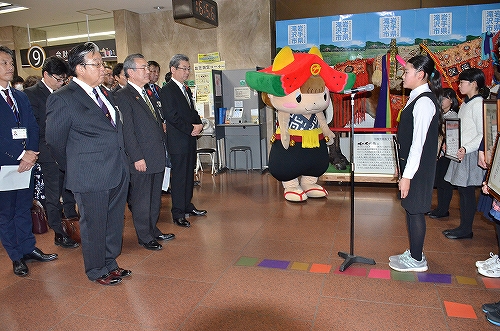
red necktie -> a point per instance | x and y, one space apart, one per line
12 106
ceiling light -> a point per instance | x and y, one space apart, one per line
159 7
79 36
9 8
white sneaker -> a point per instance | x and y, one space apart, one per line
407 253
491 269
407 263
493 258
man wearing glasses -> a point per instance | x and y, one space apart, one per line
183 125
85 135
54 72
145 147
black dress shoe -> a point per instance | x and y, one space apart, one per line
65 241
38 255
108 279
197 212
119 272
20 268
165 236
153 245
182 222
433 214
455 235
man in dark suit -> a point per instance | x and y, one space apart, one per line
154 74
54 72
145 147
183 125
119 77
18 147
85 135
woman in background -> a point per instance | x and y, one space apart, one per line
449 109
466 174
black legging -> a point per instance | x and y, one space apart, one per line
416 233
467 209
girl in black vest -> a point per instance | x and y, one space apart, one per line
418 143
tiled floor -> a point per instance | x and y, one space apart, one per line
197 281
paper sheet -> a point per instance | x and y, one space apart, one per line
10 179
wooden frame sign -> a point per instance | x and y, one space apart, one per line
491 117
493 175
452 138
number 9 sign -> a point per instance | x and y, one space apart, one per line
36 56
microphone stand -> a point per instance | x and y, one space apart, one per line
351 258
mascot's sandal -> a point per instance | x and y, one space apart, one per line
298 86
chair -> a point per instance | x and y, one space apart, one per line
248 151
205 151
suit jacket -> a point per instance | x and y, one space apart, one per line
180 117
143 133
11 149
83 141
38 94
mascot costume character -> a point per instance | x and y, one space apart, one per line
298 86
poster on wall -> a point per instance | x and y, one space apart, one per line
367 35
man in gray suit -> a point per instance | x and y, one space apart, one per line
84 131
145 147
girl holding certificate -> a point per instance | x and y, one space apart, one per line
418 143
466 174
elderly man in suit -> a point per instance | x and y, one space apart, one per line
145 147
85 135
54 72
18 147
183 125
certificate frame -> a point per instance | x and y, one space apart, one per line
493 174
491 118
452 138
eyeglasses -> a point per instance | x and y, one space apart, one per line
97 65
182 68
142 68
59 80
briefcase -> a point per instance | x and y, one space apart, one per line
39 218
72 228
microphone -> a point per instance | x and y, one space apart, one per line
365 88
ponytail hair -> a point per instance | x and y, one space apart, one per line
426 64
476 75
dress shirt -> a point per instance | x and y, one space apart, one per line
89 90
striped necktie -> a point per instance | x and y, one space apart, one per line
12 106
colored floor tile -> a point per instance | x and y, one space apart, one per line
320 268
352 271
379 273
247 261
403 276
433 278
300 266
491 282
466 280
278 264
454 309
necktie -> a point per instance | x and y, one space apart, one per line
150 105
186 94
12 106
153 88
105 109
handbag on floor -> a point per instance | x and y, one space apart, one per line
72 228
39 218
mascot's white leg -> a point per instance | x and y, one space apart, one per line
293 191
312 189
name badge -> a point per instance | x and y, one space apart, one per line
19 133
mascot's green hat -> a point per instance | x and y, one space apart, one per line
291 70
